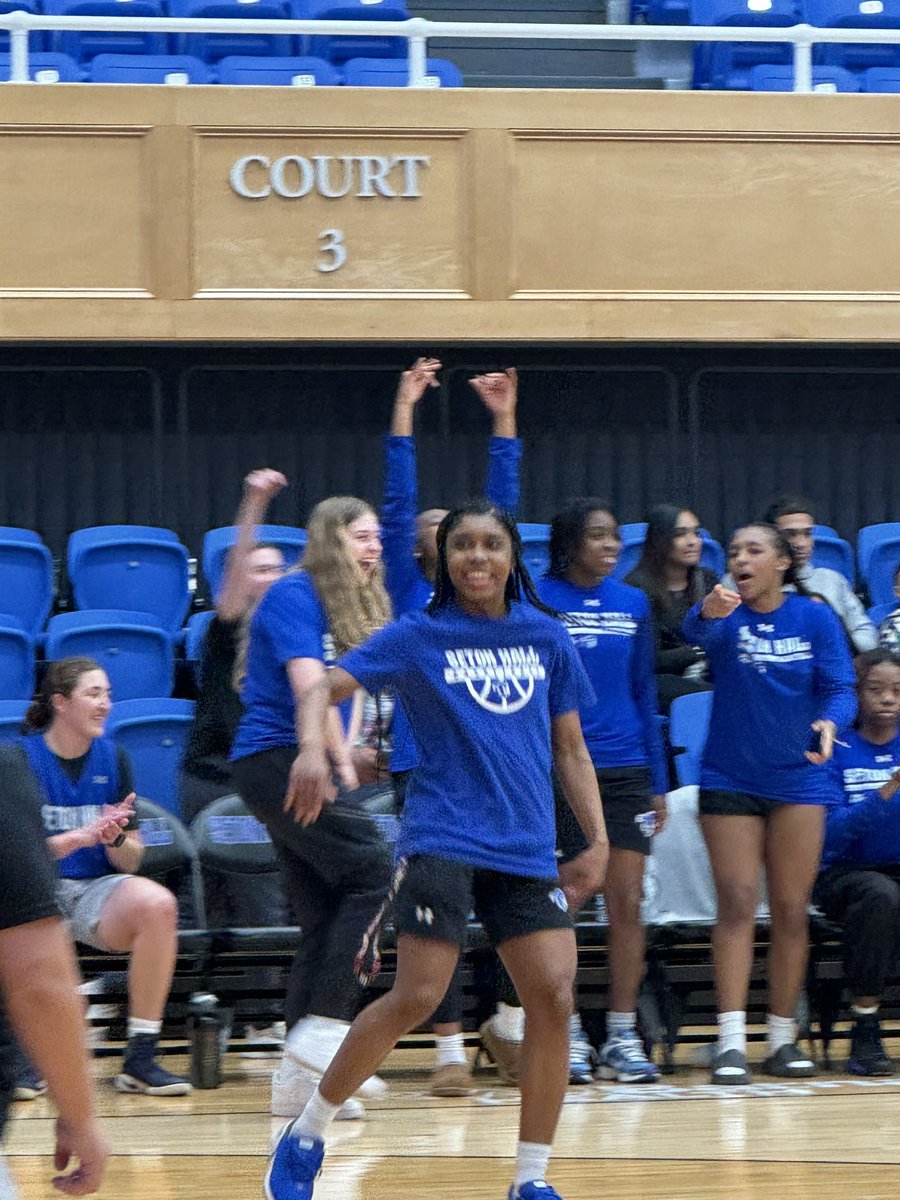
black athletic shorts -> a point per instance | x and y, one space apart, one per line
735 804
627 810
436 895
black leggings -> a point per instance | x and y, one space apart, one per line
866 903
336 873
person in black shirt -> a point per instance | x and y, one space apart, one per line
39 982
250 570
669 572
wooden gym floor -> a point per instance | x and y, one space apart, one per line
833 1138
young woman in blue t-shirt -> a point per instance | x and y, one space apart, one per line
611 627
336 873
493 686
859 886
783 692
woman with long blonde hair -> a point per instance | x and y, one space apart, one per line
336 871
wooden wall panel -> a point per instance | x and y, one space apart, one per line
543 216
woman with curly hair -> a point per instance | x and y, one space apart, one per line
337 871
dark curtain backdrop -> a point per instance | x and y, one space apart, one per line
96 435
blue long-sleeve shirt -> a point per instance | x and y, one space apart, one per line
408 588
863 830
775 674
612 630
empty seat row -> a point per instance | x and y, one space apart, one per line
731 65
86 44
256 71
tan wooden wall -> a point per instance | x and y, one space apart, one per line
541 216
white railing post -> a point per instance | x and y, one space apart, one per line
803 76
18 55
418 52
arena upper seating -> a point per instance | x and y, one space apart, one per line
830 549
84 45
394 72
26 569
340 49
16 660
46 67
878 550
296 70
149 68
771 78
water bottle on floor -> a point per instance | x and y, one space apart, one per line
208 1032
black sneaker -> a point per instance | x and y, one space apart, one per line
789 1062
142 1073
730 1069
867 1053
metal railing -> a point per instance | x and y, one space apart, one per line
417 32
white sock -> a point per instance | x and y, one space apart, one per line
859 1011
732 1032
620 1024
509 1022
138 1025
316 1117
450 1049
531 1163
780 1032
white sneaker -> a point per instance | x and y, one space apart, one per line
292 1087
314 1041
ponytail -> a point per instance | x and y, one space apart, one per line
61 679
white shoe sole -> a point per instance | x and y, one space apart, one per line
133 1086
316 1060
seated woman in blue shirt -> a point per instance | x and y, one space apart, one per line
88 817
784 691
860 882
612 629
492 686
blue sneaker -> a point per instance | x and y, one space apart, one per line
294 1166
582 1058
623 1059
538 1189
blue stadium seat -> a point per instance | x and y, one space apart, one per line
296 71
136 567
83 44
194 637
712 556
394 72
35 40
667 12
46 67
830 549
879 612
881 79
688 727
824 79
878 555
855 14
137 655
728 65
340 49
150 68
16 660
535 548
26 577
218 542
12 714
213 46
153 732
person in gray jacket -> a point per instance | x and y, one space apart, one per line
794 515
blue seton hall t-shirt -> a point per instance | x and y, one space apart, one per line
610 626
775 673
864 830
480 693
290 622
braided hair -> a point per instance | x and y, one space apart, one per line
519 585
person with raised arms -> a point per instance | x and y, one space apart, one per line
784 692
497 686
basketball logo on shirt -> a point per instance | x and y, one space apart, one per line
500 681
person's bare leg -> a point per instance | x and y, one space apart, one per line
140 918
793 847
626 942
735 847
